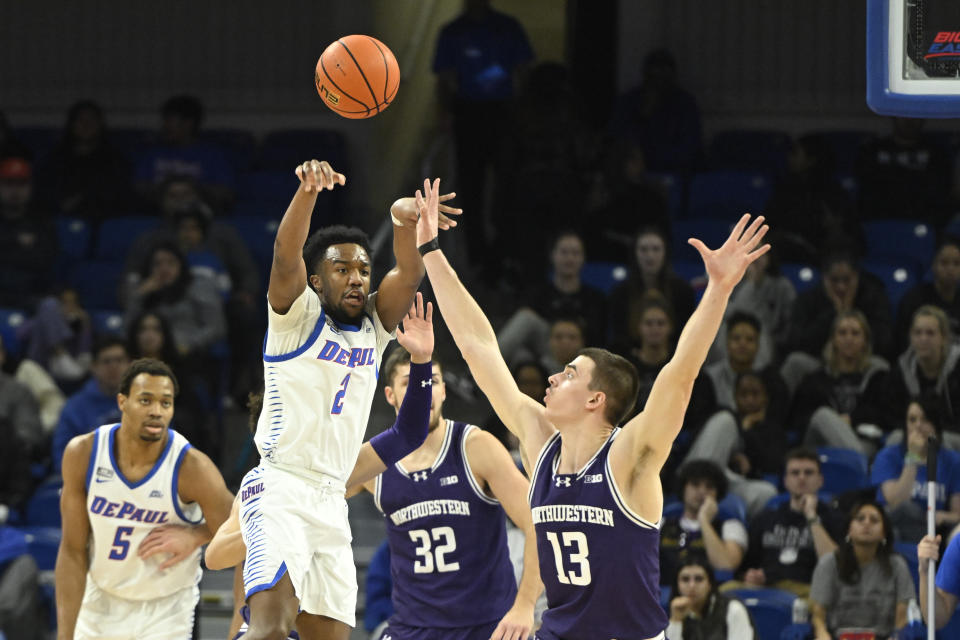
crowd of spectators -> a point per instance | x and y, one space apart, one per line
800 369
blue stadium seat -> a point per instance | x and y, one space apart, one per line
906 240
43 507
712 232
898 277
846 145
771 609
258 234
116 235
603 275
843 469
271 188
750 149
107 322
239 145
909 552
43 543
73 234
802 276
673 186
10 322
96 282
40 140
283 150
727 195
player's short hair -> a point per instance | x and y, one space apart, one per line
255 406
706 471
743 317
802 453
321 240
102 343
397 358
151 367
617 378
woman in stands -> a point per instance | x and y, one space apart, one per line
863 584
929 367
699 610
840 404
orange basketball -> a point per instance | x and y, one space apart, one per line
357 76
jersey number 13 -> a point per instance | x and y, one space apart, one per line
575 543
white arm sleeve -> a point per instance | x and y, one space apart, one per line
738 621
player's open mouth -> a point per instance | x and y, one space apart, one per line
354 297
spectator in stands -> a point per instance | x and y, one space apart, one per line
20 614
531 379
844 287
903 175
84 175
193 226
746 442
947 580
863 584
929 367
699 610
96 403
149 336
941 291
786 541
21 434
59 337
527 333
768 296
479 59
190 304
180 153
808 208
700 528
28 244
650 272
567 338
841 403
10 147
900 474
660 118
378 586
743 346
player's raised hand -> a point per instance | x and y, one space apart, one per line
177 540
516 624
428 206
727 264
404 211
317 175
417 333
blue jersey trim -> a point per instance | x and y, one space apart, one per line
269 585
302 348
174 488
349 327
93 456
111 443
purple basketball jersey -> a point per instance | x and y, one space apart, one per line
448 541
599 561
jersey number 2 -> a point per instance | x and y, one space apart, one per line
422 539
120 546
578 556
338 399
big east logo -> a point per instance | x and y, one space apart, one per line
945 44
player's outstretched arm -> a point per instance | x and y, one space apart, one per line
199 482
475 337
72 560
396 290
227 549
288 273
494 466
650 435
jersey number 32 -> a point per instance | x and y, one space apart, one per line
434 559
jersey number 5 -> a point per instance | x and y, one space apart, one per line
422 539
578 556
338 399
120 547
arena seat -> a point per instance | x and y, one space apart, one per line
909 552
802 276
73 235
43 507
239 145
42 544
604 276
673 185
898 277
107 321
905 240
771 609
750 149
843 469
10 321
116 235
713 232
96 282
283 150
727 195
845 145
265 193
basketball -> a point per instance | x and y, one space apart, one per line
357 76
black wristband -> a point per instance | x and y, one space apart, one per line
427 247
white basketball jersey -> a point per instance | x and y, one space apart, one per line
317 398
122 513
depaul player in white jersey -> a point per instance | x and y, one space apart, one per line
138 502
325 336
